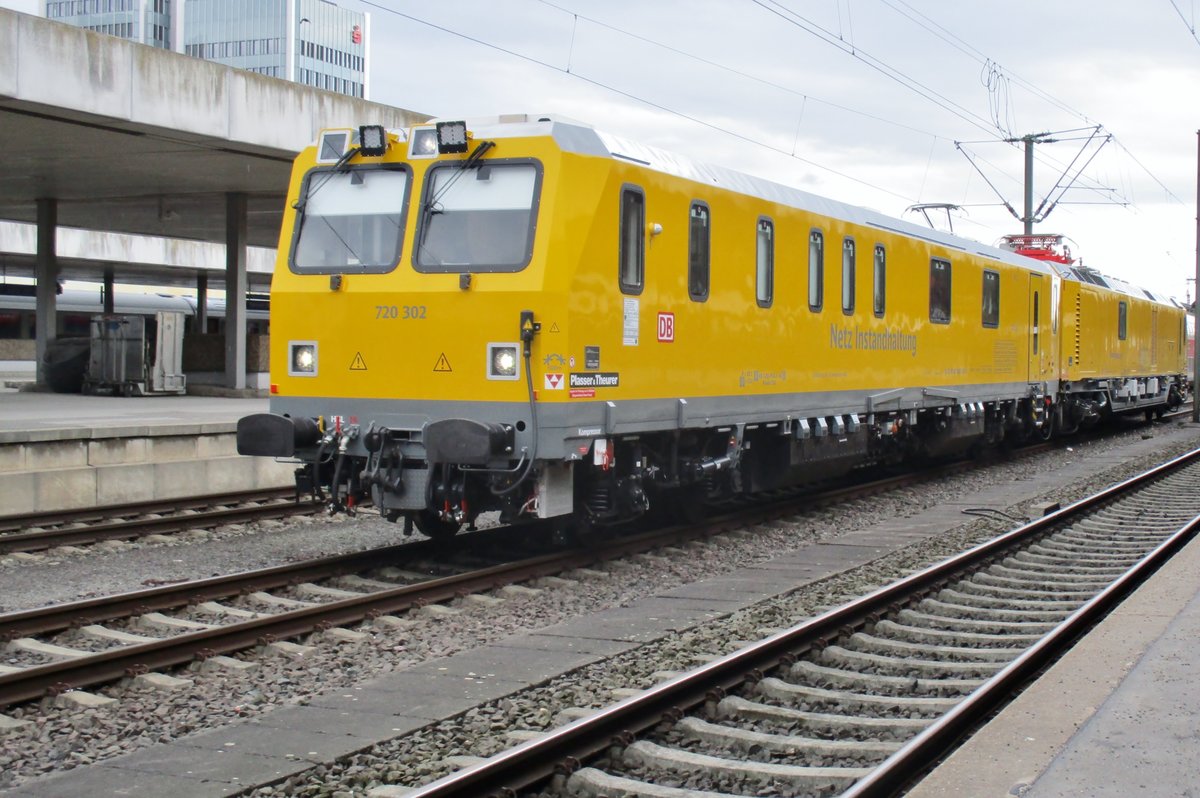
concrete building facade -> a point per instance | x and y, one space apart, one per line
144 21
313 42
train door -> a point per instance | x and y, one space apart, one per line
1039 338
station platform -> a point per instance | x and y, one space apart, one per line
65 451
1119 715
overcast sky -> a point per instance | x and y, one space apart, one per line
745 85
871 118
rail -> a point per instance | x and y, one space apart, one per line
561 751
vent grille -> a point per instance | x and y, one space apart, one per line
1078 326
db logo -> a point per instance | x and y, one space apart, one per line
666 327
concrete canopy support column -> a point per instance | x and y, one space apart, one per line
201 323
110 279
235 290
46 276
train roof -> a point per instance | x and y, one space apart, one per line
1088 275
579 137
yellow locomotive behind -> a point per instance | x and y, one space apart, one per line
527 315
1122 347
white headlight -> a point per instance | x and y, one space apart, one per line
302 358
424 143
372 140
452 137
502 362
506 362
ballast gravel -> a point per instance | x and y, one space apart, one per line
61 737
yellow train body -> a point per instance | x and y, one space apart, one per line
568 323
1114 334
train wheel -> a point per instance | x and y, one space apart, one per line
1048 428
434 527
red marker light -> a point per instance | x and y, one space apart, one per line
274 387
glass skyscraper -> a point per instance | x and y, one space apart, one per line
313 42
143 21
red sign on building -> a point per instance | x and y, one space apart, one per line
356 35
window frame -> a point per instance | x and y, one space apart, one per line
849 269
693 239
535 206
767 224
816 236
298 219
1122 320
994 323
879 280
1037 321
934 263
636 288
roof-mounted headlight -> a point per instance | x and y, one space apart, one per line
440 138
451 137
423 143
372 140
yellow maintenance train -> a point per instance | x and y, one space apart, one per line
528 315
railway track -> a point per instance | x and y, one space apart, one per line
96 641
80 644
41 531
861 699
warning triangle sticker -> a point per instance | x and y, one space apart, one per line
359 364
443 364
554 327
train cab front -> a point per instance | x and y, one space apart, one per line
403 321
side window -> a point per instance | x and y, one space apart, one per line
698 252
848 276
991 298
939 291
1054 303
880 271
631 249
1122 320
816 270
765 262
1037 321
